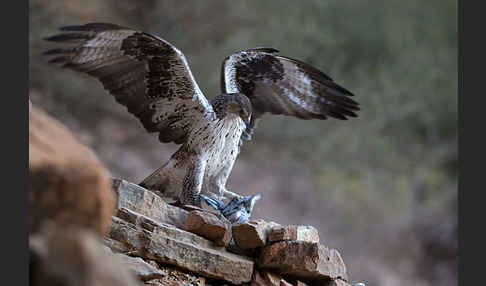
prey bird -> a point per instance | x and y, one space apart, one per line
152 79
238 210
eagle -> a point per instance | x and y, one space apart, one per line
152 79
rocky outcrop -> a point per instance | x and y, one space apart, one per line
71 204
86 229
133 197
146 238
67 183
285 255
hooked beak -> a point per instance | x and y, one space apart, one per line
248 122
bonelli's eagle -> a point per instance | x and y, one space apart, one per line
153 80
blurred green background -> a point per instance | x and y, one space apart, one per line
382 188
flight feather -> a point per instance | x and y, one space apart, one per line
145 73
281 85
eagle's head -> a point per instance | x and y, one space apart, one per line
239 104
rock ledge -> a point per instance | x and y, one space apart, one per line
86 229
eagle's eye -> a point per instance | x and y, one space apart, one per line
245 115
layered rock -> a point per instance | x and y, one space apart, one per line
294 233
303 259
144 237
209 226
132 196
252 234
73 205
282 251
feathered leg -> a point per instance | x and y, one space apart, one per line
191 186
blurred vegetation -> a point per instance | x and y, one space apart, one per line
381 188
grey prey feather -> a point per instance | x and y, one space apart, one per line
238 210
152 78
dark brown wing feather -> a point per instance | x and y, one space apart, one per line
282 85
143 72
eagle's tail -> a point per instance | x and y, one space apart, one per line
156 180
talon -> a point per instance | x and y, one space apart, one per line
215 203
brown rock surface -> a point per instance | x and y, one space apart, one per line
176 277
146 202
67 183
266 278
69 256
294 232
116 246
303 259
208 226
164 243
143 270
252 234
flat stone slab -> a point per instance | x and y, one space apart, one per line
208 226
144 237
302 259
147 203
294 232
252 234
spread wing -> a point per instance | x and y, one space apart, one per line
145 73
282 85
